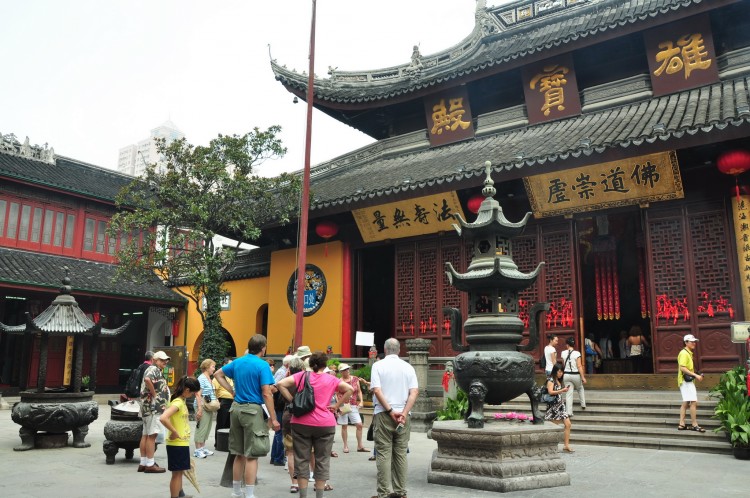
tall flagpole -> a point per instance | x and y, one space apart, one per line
305 199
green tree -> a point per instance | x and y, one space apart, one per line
199 192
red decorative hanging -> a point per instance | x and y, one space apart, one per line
598 278
474 203
326 229
615 285
734 162
642 285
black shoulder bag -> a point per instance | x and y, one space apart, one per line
304 398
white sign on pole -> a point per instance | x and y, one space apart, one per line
364 339
740 331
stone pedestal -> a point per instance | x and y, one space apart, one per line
503 456
423 412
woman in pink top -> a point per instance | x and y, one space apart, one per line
315 430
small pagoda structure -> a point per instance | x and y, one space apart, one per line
495 455
54 411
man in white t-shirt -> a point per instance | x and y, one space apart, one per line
574 375
550 353
394 385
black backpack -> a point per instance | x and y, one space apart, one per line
133 386
543 361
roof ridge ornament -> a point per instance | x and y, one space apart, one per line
9 144
489 185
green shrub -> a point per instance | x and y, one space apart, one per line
733 406
455 409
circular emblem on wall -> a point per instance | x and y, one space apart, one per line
315 290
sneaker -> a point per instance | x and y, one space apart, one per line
199 454
207 451
235 495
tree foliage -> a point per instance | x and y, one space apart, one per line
195 193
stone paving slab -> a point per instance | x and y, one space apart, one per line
594 471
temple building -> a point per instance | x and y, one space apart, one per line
614 122
54 213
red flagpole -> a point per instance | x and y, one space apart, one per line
305 199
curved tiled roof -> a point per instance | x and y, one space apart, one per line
371 172
66 174
490 44
24 268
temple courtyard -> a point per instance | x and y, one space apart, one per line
594 471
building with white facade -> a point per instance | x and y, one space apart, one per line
132 159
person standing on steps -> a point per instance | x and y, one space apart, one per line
550 353
574 375
686 377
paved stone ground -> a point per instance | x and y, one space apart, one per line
594 471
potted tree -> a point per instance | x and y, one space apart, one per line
733 410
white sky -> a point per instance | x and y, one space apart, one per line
90 76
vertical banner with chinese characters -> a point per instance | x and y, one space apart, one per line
639 180
551 89
681 55
448 116
741 212
68 371
408 218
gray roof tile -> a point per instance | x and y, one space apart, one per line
702 110
18 267
517 41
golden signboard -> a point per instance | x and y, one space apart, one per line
639 180
408 218
741 216
68 371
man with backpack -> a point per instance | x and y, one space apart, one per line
133 386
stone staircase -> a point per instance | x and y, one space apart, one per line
637 419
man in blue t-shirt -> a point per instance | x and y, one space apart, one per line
252 388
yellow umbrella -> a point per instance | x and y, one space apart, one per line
190 474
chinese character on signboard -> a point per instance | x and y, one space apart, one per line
637 180
551 90
449 116
681 55
408 218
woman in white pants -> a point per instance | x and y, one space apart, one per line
574 375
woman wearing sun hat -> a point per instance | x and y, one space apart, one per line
686 377
352 416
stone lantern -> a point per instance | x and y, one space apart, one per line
495 455
54 411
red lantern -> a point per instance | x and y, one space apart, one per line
734 162
474 203
326 229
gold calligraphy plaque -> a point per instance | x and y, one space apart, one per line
408 218
639 180
68 371
741 218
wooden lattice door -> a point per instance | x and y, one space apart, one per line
692 284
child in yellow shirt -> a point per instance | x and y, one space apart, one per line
175 419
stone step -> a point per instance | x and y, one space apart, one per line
612 410
696 443
645 431
636 419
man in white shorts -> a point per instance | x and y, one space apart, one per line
350 416
686 377
154 399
